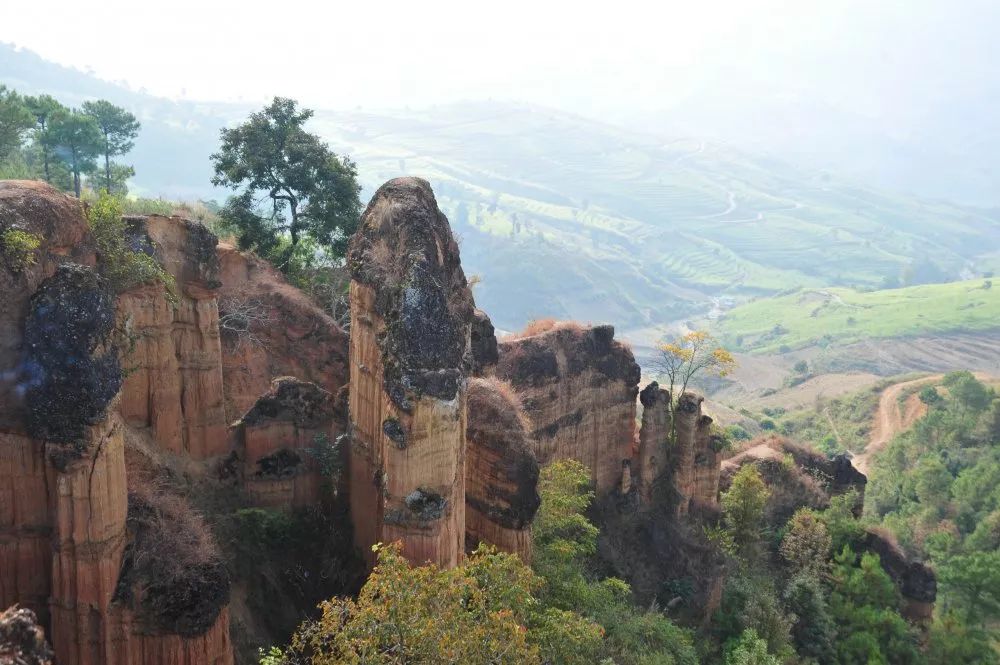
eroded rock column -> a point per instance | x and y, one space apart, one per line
174 386
501 492
578 386
695 457
411 313
654 435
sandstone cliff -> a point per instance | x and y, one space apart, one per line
285 440
578 387
411 314
64 507
501 494
174 386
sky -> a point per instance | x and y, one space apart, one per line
606 57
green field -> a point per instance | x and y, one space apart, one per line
842 316
566 217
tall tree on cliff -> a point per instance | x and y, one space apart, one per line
15 121
45 108
290 186
118 129
683 358
78 138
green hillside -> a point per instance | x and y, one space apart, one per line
822 316
614 226
567 217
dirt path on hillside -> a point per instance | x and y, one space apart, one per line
890 419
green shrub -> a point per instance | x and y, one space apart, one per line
18 247
122 266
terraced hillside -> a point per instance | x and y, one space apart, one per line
563 216
844 316
570 218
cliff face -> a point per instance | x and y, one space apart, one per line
654 436
285 440
270 329
411 313
175 384
578 387
64 507
695 467
501 492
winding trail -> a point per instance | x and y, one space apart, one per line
889 419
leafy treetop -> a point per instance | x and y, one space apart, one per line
289 184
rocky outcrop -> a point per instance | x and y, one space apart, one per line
654 438
916 581
696 457
688 469
22 640
286 441
271 329
578 387
63 485
57 223
484 344
174 384
798 476
411 314
501 491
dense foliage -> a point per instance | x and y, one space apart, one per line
42 139
121 265
937 488
290 187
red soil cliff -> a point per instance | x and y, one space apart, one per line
64 501
501 491
578 387
411 313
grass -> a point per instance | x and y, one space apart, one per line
839 315
585 221
832 425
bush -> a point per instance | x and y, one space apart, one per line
483 611
122 266
18 247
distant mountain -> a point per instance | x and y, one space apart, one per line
567 217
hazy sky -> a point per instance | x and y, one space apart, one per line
618 55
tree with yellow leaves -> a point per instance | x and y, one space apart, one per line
483 612
684 357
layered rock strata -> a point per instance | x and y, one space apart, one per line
287 444
411 314
578 387
174 386
501 492
63 486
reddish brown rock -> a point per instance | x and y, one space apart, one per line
57 221
654 437
411 313
174 386
281 441
578 386
63 501
501 489
286 333
695 458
